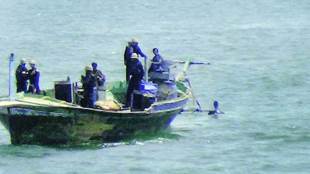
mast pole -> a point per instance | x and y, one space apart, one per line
145 70
11 64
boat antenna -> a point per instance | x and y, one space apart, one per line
71 88
145 70
11 64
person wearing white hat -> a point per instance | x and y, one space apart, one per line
134 43
136 73
21 75
132 47
34 78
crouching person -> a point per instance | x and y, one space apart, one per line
89 87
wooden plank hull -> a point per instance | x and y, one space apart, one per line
32 124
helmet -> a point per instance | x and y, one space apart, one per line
134 40
22 61
134 56
32 62
88 68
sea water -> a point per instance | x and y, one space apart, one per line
260 61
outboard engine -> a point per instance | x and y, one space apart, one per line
167 90
145 96
161 75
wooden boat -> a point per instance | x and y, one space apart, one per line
47 121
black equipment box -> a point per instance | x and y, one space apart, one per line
63 91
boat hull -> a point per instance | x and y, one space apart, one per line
76 125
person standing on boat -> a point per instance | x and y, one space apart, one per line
21 77
34 78
132 47
136 73
89 86
127 57
100 79
98 74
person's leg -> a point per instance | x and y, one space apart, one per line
92 100
18 87
30 88
127 74
129 92
37 89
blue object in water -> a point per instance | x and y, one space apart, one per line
216 110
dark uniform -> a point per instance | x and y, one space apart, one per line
100 79
137 50
132 47
156 65
21 78
136 74
34 78
99 76
90 91
127 57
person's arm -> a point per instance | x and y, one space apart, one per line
103 78
37 77
140 52
100 78
101 75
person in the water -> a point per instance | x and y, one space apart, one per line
216 110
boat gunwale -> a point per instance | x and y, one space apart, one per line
148 111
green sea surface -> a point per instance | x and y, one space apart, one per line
260 61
